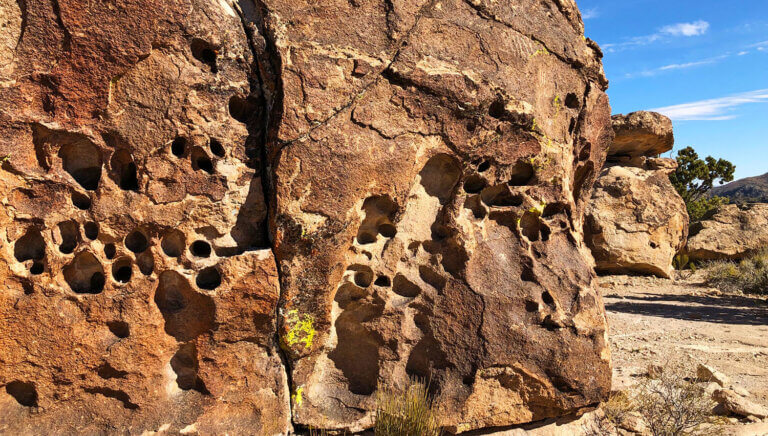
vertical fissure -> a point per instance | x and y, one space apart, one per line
265 66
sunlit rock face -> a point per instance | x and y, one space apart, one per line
139 291
431 161
237 217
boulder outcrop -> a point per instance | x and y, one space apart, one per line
636 222
235 217
428 210
641 133
731 232
139 293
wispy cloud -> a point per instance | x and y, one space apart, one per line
590 14
686 29
696 28
716 109
679 66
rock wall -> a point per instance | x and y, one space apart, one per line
430 163
139 293
231 217
732 232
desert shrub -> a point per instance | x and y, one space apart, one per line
669 403
406 412
749 275
673 404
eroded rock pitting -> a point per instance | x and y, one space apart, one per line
416 172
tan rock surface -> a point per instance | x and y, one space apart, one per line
732 232
737 405
416 171
636 222
641 134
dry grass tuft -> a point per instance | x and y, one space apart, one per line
750 275
405 412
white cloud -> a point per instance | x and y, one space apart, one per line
742 53
696 28
671 67
590 14
686 29
716 109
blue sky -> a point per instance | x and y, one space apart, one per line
704 63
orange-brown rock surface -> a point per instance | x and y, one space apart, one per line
235 217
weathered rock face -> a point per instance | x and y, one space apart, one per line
133 299
424 165
641 134
431 161
732 232
636 222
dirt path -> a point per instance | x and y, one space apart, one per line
663 322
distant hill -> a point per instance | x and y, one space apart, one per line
749 190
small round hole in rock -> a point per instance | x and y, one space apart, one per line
363 278
136 242
497 109
70 236
122 271
37 268
31 246
201 161
204 52
91 230
383 281
531 306
387 230
547 298
216 148
119 329
81 201
571 101
241 109
24 393
474 184
173 243
84 274
110 250
208 278
146 262
483 167
200 249
123 171
179 146
366 238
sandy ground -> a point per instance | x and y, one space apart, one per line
682 322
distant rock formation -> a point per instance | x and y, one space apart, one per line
635 221
747 190
732 232
231 217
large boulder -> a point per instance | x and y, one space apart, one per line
731 232
138 293
204 200
431 161
641 134
636 222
